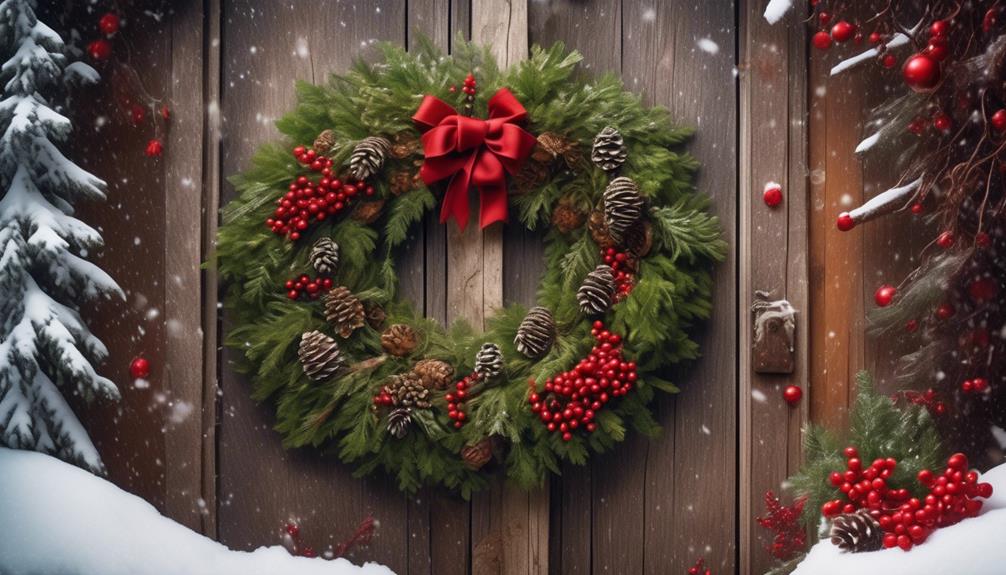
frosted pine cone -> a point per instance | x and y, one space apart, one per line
857 532
434 373
407 390
536 332
344 311
399 340
368 157
609 150
623 206
489 361
320 356
399 422
325 256
598 289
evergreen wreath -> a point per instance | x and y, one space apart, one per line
628 247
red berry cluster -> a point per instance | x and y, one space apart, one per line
927 399
622 265
108 25
907 521
456 399
976 385
571 399
790 537
383 398
307 200
469 85
700 568
307 286
841 32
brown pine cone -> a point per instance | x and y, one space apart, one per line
566 218
434 373
376 316
343 310
599 230
638 238
325 142
407 390
530 177
477 455
368 212
551 146
402 182
856 532
406 144
399 340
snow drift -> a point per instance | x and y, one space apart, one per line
61 520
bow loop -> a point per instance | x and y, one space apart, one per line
471 151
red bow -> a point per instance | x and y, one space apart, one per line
472 151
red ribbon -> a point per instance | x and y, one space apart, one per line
473 152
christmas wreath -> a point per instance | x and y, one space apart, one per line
307 254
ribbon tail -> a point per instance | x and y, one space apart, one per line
455 204
493 204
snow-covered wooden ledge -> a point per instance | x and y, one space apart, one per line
57 518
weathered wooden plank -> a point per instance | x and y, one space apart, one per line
267 46
183 161
772 251
662 58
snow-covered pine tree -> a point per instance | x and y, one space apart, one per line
45 347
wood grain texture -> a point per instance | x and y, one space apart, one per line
266 47
773 255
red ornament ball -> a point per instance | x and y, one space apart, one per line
842 31
998 120
139 368
792 394
154 148
100 49
918 208
845 222
945 311
821 40
772 194
921 72
885 295
946 239
109 23
888 61
943 123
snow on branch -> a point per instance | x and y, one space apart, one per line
892 200
896 41
776 9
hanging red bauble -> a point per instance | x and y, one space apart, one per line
998 120
109 23
154 148
100 49
885 295
845 222
792 394
139 368
772 194
842 31
821 40
983 290
921 73
946 239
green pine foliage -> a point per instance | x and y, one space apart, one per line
673 293
878 428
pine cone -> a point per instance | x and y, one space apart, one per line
399 422
434 373
536 332
598 289
489 361
399 340
530 177
609 150
856 532
368 157
343 310
477 455
402 182
638 239
407 390
599 230
368 212
551 146
320 356
566 218
325 256
376 316
406 144
623 206
325 142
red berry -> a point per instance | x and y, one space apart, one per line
845 222
998 120
983 290
109 23
939 28
921 73
945 240
888 61
139 368
983 240
842 31
885 295
943 123
100 49
911 326
821 40
917 208
980 384
945 311
875 38
772 195
792 394
957 461
154 148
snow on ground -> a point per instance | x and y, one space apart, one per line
972 547
61 520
